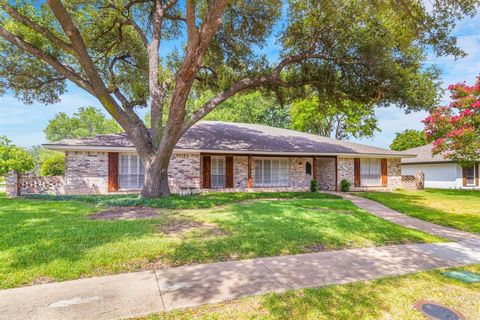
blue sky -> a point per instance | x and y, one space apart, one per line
24 124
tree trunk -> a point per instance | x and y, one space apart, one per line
156 177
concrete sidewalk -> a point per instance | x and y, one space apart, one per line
142 293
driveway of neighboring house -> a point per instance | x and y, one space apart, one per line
136 294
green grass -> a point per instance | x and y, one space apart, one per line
453 208
43 240
388 298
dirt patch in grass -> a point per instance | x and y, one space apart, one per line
125 213
176 226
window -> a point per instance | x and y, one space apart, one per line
470 176
308 168
218 172
370 172
271 172
132 172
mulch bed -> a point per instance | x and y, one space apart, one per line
125 213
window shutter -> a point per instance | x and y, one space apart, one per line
229 172
356 172
207 170
464 171
384 173
477 167
113 171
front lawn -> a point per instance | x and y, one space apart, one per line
44 240
388 298
453 208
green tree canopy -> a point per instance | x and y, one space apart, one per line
333 117
86 122
5 141
53 165
252 107
372 51
13 158
408 139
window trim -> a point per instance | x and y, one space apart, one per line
215 159
263 159
362 183
138 174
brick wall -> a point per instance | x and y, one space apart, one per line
86 172
240 172
326 174
394 174
184 172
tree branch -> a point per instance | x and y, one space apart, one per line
65 71
273 79
36 27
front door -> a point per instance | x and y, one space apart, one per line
470 176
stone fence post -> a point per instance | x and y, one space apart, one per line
420 180
12 184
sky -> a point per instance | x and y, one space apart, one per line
24 124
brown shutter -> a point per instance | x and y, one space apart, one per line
477 167
113 171
464 171
207 168
384 173
249 172
229 172
356 172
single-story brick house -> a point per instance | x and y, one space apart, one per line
231 157
440 172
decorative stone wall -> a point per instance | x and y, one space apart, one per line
184 172
86 172
326 174
23 184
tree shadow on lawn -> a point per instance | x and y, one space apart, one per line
54 238
412 204
287 227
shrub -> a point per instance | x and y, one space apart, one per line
345 185
53 166
313 185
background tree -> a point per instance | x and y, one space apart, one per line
4 141
370 50
53 165
13 158
252 107
455 129
86 122
408 139
40 154
335 118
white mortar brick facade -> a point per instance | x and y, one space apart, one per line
86 172
326 174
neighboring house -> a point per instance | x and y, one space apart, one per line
440 172
231 157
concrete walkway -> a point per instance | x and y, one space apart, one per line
142 293
398 218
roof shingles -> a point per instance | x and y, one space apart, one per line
217 136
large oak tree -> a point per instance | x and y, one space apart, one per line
117 51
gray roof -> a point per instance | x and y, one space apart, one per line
215 136
424 155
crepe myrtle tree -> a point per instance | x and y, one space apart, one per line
118 51
455 129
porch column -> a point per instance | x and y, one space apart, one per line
249 173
